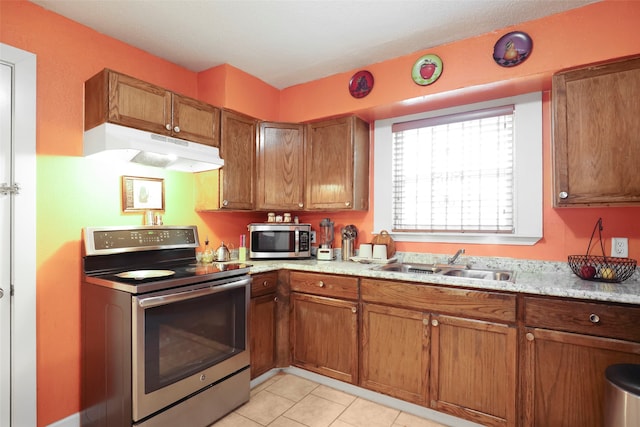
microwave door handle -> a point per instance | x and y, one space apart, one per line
182 296
296 234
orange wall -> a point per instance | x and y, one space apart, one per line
74 192
590 34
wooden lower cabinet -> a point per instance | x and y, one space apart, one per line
452 350
263 334
473 370
395 352
564 362
324 336
262 323
564 376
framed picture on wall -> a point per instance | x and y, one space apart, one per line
141 194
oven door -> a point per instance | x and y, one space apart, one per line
187 339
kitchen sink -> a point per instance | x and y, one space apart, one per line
448 270
481 274
410 268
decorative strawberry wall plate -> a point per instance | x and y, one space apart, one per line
426 70
512 49
361 84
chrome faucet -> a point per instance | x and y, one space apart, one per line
455 257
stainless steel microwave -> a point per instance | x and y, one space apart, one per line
279 240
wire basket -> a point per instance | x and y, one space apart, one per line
601 268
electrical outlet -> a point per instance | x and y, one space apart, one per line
313 237
619 247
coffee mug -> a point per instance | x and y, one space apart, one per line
366 250
379 251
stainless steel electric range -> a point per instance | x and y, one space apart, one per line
164 338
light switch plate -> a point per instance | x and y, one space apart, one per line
619 247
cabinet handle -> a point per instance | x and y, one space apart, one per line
265 283
275 299
347 204
301 205
354 310
167 126
529 336
563 195
176 129
434 322
321 284
225 202
594 318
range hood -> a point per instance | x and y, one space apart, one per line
114 142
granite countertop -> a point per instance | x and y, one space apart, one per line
531 277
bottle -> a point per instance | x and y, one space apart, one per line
242 249
207 255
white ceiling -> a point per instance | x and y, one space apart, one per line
287 42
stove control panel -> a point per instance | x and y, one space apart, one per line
106 240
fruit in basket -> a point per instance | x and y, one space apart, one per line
607 273
588 272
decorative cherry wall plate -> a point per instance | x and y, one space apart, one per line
512 49
426 70
361 84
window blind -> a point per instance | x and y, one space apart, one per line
455 173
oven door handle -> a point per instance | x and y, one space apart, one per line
183 296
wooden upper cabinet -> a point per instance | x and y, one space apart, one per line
337 164
196 121
280 166
237 147
596 135
117 98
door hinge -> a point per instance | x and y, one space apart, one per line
9 189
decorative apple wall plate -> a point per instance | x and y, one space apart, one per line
361 84
427 69
512 49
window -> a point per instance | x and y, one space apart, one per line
470 174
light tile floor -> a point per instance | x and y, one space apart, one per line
287 400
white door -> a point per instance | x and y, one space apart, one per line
5 240
17 224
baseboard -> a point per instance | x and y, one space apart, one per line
72 420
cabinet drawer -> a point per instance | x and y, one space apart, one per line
439 299
324 284
264 283
601 319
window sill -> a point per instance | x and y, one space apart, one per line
483 239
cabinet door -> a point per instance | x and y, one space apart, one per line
138 104
596 128
237 148
280 166
324 336
563 378
196 121
262 334
395 352
337 168
473 370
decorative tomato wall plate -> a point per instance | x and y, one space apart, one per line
361 84
512 49
426 70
